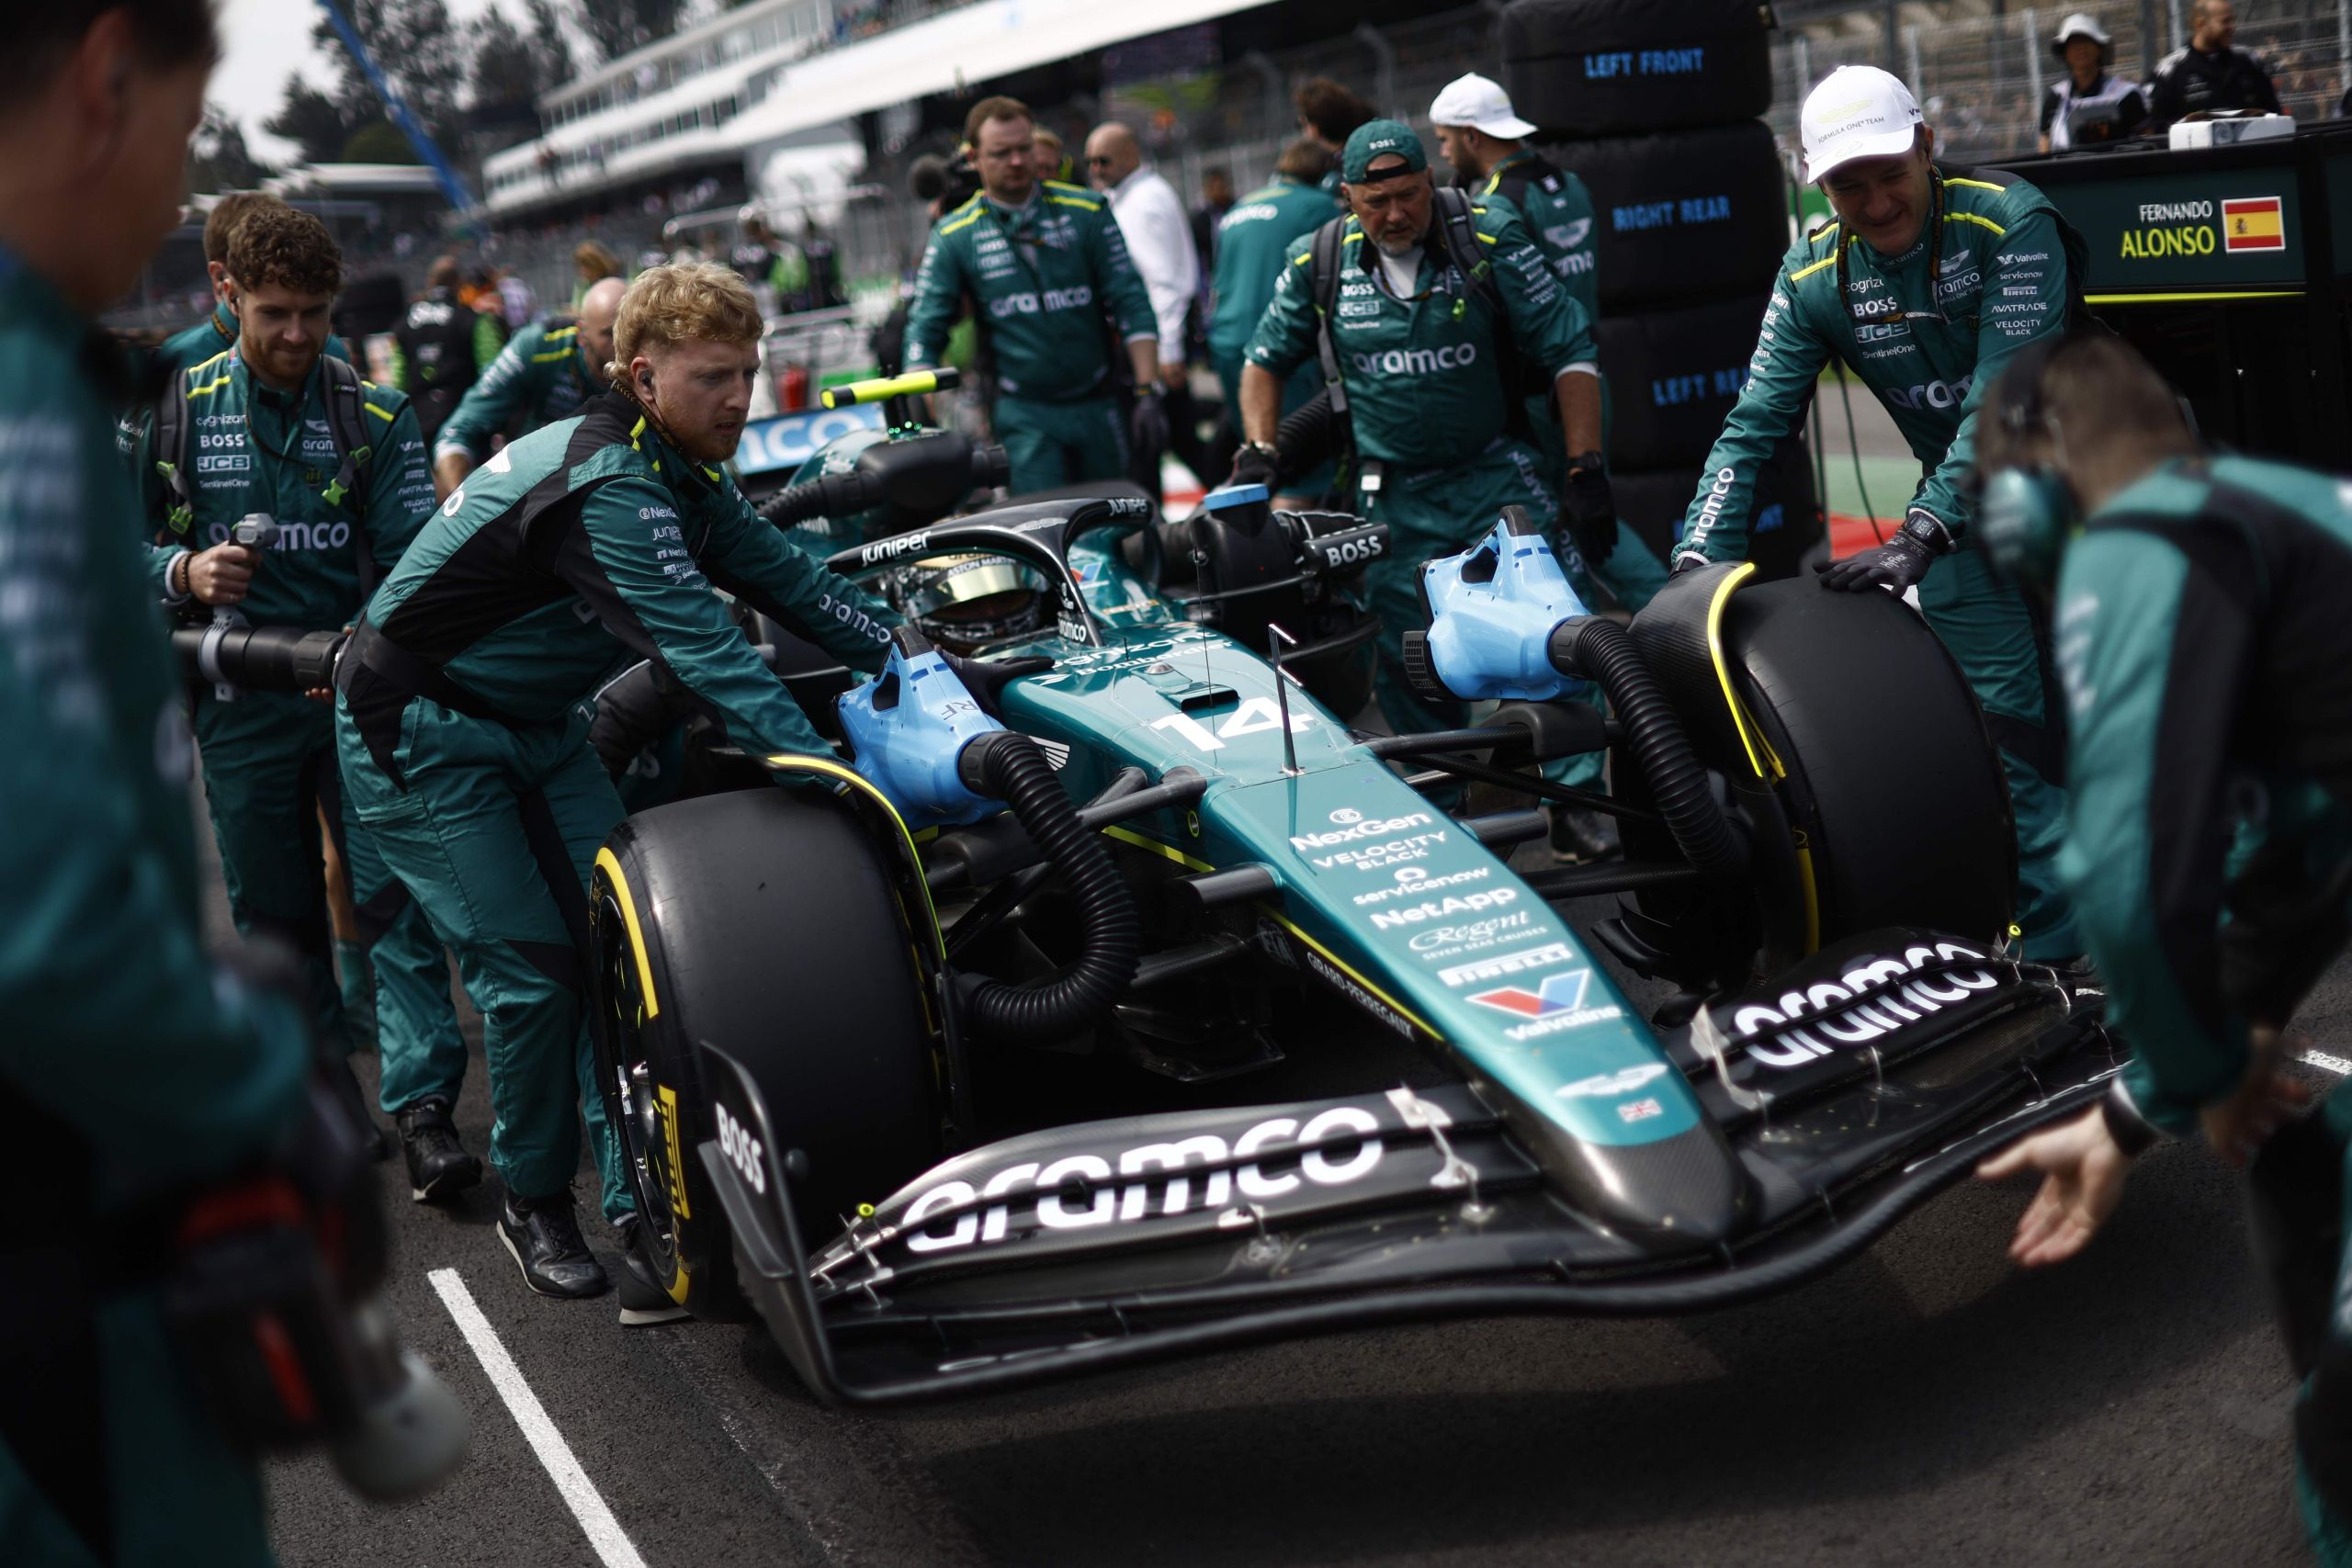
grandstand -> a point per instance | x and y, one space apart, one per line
813 107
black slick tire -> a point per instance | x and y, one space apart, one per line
763 922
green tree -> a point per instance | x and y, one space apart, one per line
511 66
378 141
218 157
316 123
616 27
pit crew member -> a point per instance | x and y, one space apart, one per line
127 1052
271 427
218 329
1923 286
2200 614
1256 239
442 348
1426 353
1042 263
1486 142
463 710
545 372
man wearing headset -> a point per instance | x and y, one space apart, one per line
2208 669
1927 280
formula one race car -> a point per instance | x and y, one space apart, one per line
1116 999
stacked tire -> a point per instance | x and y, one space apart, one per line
1654 108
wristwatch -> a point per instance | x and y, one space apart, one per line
1587 462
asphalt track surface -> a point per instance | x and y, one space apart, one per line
1927 1403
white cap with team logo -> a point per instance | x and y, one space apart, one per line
1482 104
1858 111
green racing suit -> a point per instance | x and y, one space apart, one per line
2208 671
269 767
541 375
1928 332
1426 384
1556 210
130 1061
463 713
1040 278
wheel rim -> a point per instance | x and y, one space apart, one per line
644 1145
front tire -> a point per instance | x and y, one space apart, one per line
763 922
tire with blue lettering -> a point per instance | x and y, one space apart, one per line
1786 523
1691 215
1673 376
1607 67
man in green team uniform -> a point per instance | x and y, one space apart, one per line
2208 669
1256 239
463 710
1042 263
129 1060
1428 354
218 329
1923 288
544 373
257 434
1486 145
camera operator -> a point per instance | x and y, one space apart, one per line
129 1059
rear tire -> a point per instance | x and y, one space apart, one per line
763 922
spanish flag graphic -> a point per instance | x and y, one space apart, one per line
2252 223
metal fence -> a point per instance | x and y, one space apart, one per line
1979 79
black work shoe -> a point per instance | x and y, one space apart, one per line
545 1240
438 1165
1581 835
643 1301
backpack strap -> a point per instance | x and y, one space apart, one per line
346 398
171 454
1457 229
1326 265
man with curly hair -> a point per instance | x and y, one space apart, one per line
218 329
269 426
570 555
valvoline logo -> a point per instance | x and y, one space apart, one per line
1563 992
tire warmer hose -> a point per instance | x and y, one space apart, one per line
1603 651
1009 767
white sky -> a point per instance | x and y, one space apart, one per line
263 42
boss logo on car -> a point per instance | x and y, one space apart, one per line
742 1151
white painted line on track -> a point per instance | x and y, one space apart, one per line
587 1505
2326 1062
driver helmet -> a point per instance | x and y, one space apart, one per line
964 602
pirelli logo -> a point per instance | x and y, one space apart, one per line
2254 223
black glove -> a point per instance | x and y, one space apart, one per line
1589 509
1147 423
1677 565
1897 565
1255 465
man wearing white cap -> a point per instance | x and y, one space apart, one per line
2089 103
1486 145
1923 286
